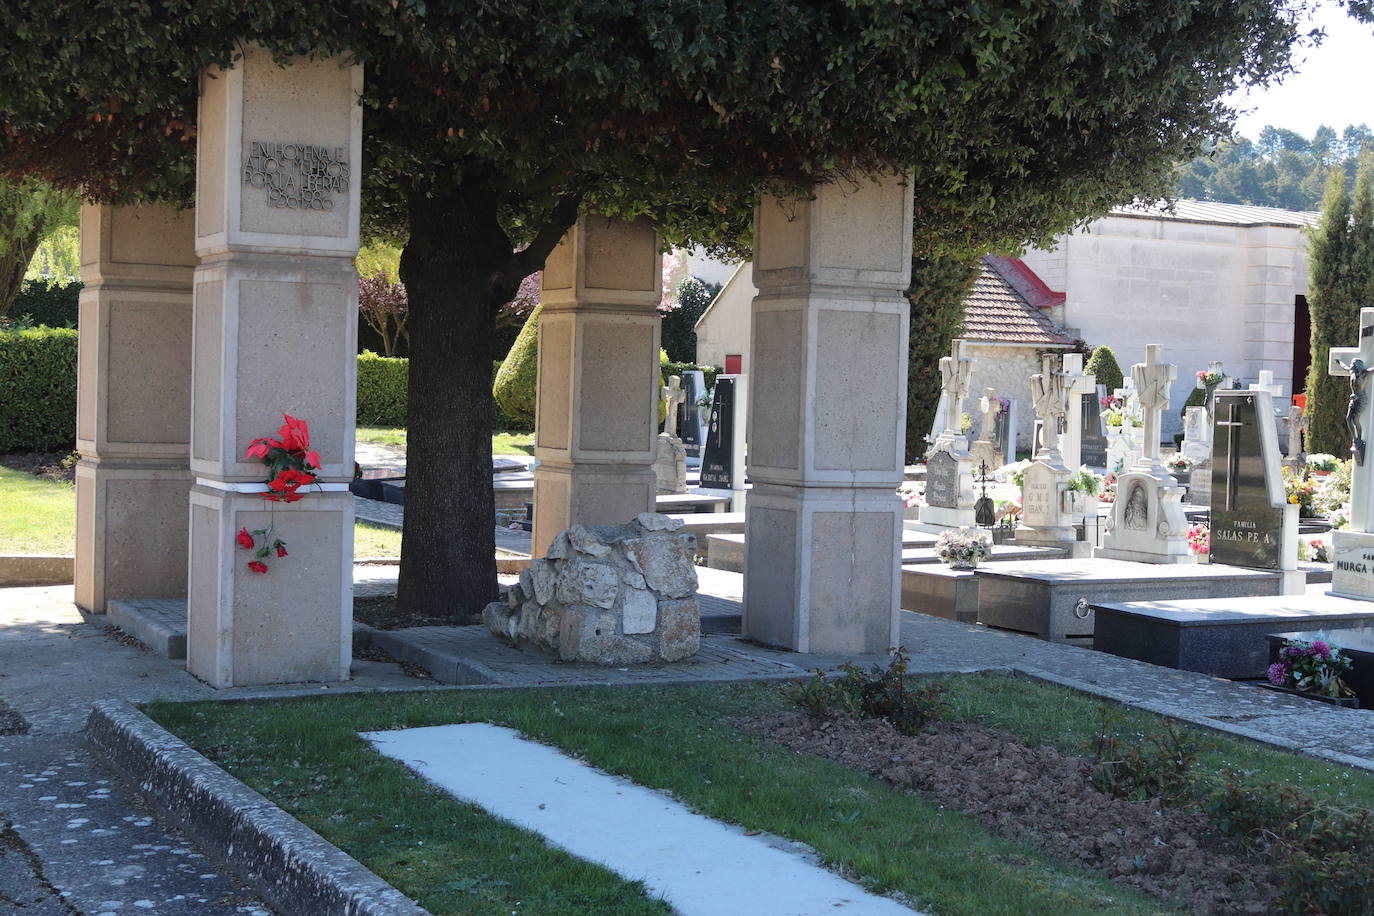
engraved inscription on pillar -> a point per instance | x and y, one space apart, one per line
297 176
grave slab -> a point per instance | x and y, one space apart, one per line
1054 599
701 866
1224 637
941 591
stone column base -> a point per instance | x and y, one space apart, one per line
130 530
589 494
289 624
823 569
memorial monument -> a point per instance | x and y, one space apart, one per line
1353 547
1046 516
949 469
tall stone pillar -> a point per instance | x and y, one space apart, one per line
275 333
596 429
827 417
133 414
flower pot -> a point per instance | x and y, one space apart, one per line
1343 702
962 564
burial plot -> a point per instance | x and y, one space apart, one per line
1252 522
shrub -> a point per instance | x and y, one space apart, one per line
1157 765
1196 398
1103 366
38 386
382 390
878 693
679 325
516 384
54 306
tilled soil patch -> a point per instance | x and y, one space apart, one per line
1039 795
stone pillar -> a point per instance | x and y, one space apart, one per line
133 415
828 412
275 332
596 428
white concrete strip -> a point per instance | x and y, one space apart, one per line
232 487
701 866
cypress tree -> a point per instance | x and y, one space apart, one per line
1103 366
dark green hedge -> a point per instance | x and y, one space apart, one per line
37 389
53 306
382 394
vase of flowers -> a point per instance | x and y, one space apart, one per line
1313 668
1200 541
1209 380
1082 487
912 500
963 549
1321 464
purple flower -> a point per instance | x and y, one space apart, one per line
1321 648
1277 674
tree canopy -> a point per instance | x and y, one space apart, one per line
1282 169
489 126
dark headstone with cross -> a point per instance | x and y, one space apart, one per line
1093 439
1247 528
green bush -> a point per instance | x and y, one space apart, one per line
680 325
381 390
1196 398
516 385
1102 365
37 389
53 306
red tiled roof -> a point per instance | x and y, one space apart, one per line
997 310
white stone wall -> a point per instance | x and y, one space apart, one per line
1008 369
725 327
1206 291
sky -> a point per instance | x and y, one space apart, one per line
1332 85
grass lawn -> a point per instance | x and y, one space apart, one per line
306 756
37 516
502 443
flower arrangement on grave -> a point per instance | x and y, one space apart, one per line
1315 550
1340 518
1014 473
1106 491
963 549
1301 491
911 495
1179 463
965 423
1115 413
1311 667
1083 481
1322 463
1210 379
293 464
1003 405
1007 509
1200 538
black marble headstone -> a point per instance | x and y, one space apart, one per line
942 481
1246 529
1092 446
689 424
717 462
1003 436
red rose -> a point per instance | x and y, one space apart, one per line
245 539
281 551
258 567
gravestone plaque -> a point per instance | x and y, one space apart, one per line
718 457
689 426
942 481
1246 529
1040 496
1093 444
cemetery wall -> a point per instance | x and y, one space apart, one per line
1008 369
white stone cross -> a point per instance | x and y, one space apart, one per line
988 407
1050 399
1354 363
1153 379
1296 424
673 395
955 372
1266 383
1076 384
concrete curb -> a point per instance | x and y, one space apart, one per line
293 868
33 570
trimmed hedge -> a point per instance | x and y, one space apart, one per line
382 394
513 388
37 390
54 306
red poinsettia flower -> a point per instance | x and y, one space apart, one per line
295 434
313 459
258 567
259 448
245 539
281 550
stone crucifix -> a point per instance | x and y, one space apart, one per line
1296 423
1153 379
956 371
673 395
984 450
1050 399
1354 363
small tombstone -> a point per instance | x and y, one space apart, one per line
692 427
1147 522
1252 522
942 481
953 504
984 450
670 462
1077 386
1295 426
1197 435
722 461
1092 436
1045 517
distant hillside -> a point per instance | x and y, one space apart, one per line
1281 169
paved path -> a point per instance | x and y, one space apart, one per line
73 838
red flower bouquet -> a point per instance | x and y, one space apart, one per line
293 464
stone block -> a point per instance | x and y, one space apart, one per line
608 594
940 591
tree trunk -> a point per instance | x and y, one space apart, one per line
448 546
14 262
